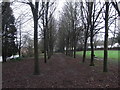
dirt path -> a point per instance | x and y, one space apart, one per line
59 72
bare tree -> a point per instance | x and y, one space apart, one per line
85 20
106 37
116 6
90 21
34 9
52 36
46 17
94 27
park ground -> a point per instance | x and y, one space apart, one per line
59 72
113 55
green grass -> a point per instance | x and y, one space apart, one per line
112 54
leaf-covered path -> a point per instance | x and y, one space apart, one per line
59 72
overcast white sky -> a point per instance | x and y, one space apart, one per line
20 8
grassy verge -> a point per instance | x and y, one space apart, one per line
112 54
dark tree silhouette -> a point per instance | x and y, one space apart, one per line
34 9
106 38
9 47
86 28
115 4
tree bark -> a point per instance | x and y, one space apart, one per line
67 46
44 29
75 42
74 50
4 48
3 55
92 47
85 42
47 31
85 46
105 69
91 33
20 42
36 63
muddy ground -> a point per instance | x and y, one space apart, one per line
59 72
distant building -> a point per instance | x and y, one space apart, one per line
24 51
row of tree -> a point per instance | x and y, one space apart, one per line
43 17
78 22
84 20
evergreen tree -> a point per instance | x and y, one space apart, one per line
9 47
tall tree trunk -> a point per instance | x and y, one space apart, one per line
75 33
44 29
4 48
47 31
92 47
19 51
85 34
85 45
75 41
4 55
71 46
36 63
20 42
91 33
105 69
67 45
45 56
74 49
73 37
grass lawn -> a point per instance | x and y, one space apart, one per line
112 54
